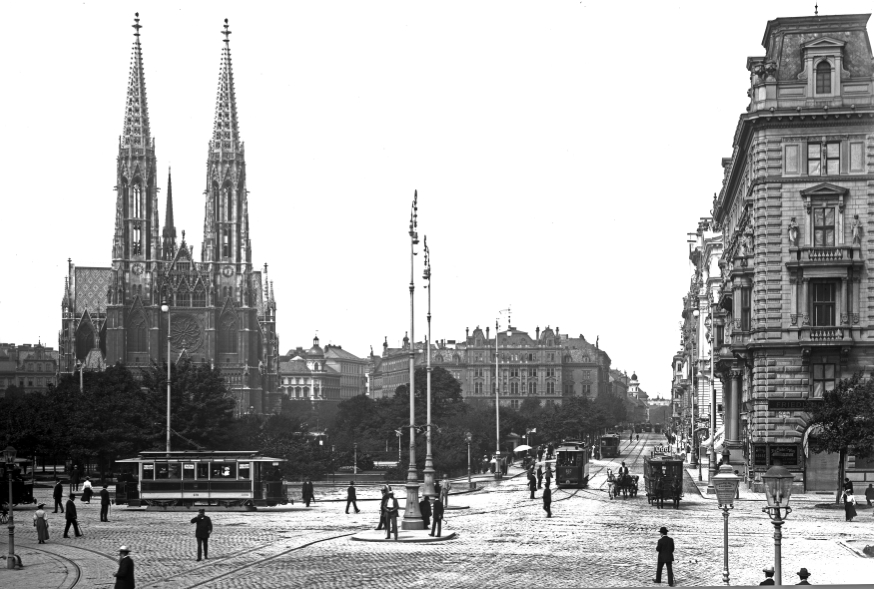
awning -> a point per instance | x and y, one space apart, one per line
719 437
814 429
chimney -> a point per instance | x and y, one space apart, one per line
556 331
487 332
537 333
466 332
385 347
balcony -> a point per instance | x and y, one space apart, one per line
812 256
824 335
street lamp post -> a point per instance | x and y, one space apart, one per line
9 455
778 489
725 483
428 472
165 308
498 470
355 459
81 366
400 434
469 438
412 514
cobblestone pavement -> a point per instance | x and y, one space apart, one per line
503 538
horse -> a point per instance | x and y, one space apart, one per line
676 491
657 494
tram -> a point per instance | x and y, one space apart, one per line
242 479
572 465
22 486
647 427
610 446
657 428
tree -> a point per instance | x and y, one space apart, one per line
846 416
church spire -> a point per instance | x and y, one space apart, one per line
136 131
169 227
225 134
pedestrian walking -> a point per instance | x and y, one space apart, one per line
74 479
391 515
769 576
307 491
444 490
58 495
540 453
547 501
104 504
425 508
351 498
869 494
532 482
202 531
539 476
548 475
437 523
737 491
41 524
848 485
386 489
124 578
803 574
549 450
665 548
849 506
87 491
638 437
437 488
72 518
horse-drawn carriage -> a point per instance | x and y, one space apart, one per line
22 484
621 483
663 477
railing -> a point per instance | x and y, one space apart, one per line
825 334
827 254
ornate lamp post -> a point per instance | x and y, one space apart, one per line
165 308
468 437
725 484
412 515
9 456
778 489
428 472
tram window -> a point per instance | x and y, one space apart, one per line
187 471
162 471
223 470
174 470
148 471
244 470
203 470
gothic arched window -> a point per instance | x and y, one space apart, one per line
228 334
226 202
137 333
823 78
138 200
199 299
183 296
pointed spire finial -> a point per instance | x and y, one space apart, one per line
137 26
227 32
816 9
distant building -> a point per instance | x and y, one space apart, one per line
351 369
304 375
31 368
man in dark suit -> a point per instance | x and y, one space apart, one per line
104 504
71 516
202 532
351 497
547 501
803 574
58 494
307 491
769 576
665 548
438 519
532 482
425 508
124 578
540 476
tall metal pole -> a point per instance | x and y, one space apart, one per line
498 471
81 378
169 361
428 473
469 484
725 509
10 559
712 469
355 460
778 537
412 514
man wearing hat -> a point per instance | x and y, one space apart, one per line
72 518
665 548
104 504
124 578
803 574
202 532
58 496
391 516
769 576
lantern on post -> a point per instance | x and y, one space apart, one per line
778 489
725 483
9 458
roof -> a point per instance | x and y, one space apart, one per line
90 287
195 456
332 351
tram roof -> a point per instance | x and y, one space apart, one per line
197 456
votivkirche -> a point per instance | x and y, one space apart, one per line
220 310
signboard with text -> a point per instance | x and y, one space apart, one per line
760 455
783 454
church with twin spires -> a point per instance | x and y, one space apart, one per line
221 311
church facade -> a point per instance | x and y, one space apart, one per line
219 310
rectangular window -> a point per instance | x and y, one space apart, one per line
790 159
203 470
550 357
478 388
745 309
587 375
823 379
532 388
245 470
833 159
532 373
223 471
856 160
148 471
514 388
550 373
720 335
550 388
514 403
814 159
823 303
188 471
514 372
824 227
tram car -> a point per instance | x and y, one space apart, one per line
237 479
663 478
638 428
572 465
609 446
647 427
22 485
657 428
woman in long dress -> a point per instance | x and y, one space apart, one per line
87 491
849 505
41 524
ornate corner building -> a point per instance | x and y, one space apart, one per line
221 310
798 231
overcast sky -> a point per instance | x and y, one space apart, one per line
561 150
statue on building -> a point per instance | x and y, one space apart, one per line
857 230
793 233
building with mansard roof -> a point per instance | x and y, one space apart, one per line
221 308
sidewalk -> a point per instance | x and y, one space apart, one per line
745 494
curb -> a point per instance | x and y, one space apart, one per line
404 537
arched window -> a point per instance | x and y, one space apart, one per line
138 201
199 299
226 203
137 334
228 334
183 296
823 78
226 242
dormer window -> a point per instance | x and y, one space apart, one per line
823 78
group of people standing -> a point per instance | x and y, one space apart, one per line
69 510
850 499
535 483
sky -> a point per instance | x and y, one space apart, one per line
561 152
